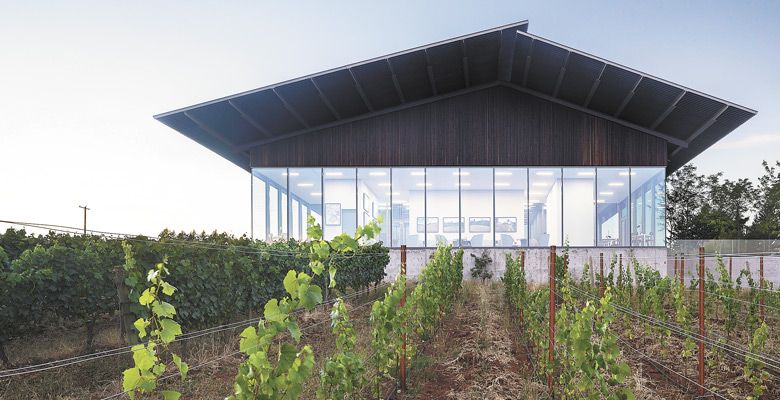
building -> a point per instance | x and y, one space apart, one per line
499 139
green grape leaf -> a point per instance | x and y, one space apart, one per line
310 296
140 325
163 309
170 395
291 282
170 329
168 289
146 298
272 312
181 365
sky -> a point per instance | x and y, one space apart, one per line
80 81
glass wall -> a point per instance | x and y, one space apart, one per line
511 216
339 199
612 214
441 222
408 193
579 213
469 207
648 207
305 199
476 199
374 199
545 208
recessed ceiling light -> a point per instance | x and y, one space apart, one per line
536 194
606 193
424 184
502 184
615 184
601 201
586 173
461 173
624 173
305 184
544 173
393 193
291 173
463 184
418 173
316 193
541 184
503 173
384 184
334 173
377 173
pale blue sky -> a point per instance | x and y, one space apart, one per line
80 81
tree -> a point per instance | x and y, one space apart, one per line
766 224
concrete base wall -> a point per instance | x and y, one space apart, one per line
536 261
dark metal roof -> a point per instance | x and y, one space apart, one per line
690 121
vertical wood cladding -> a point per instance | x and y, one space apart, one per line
497 126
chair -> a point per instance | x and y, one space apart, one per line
476 240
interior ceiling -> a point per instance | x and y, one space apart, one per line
690 121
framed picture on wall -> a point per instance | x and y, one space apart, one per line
451 225
333 214
433 225
366 203
479 224
506 224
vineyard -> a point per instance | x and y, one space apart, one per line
213 316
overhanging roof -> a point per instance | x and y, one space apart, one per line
690 121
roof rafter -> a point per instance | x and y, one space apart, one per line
211 131
465 62
395 82
506 58
528 60
325 99
668 110
431 77
561 74
629 96
595 86
290 109
359 88
248 118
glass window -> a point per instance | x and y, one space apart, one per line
612 212
511 222
648 206
374 199
544 206
259 206
340 201
579 211
476 206
442 218
408 192
276 199
305 198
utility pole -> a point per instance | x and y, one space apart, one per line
85 217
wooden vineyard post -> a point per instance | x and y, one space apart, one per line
682 271
676 266
761 285
403 335
731 276
551 346
701 321
522 269
601 274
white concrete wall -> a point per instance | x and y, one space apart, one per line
536 261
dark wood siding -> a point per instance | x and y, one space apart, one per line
498 126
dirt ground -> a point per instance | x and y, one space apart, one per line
474 354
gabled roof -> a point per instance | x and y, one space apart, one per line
690 121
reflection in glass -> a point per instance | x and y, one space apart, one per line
511 195
441 202
476 206
408 192
545 206
305 199
647 206
339 202
259 207
612 216
579 211
374 199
